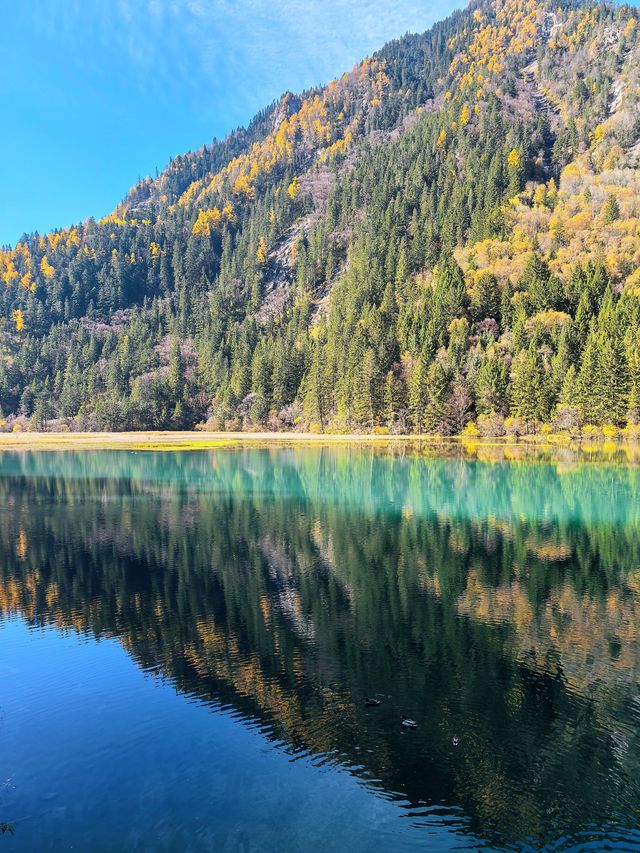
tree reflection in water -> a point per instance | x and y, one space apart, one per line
495 601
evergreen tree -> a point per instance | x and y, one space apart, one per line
611 210
418 395
529 391
438 387
491 386
176 370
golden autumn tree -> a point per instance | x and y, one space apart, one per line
47 270
207 219
18 319
293 190
242 186
514 160
261 252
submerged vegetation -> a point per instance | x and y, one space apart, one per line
445 239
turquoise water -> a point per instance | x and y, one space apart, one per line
187 641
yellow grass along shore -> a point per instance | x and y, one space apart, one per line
506 446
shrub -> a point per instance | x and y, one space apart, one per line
566 419
471 430
631 431
491 424
591 431
514 426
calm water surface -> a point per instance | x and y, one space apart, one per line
187 640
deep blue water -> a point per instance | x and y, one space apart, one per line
187 640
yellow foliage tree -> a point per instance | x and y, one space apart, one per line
513 159
261 252
45 268
540 195
242 186
228 214
293 190
18 320
8 272
207 219
599 133
27 282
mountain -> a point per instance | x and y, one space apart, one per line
445 238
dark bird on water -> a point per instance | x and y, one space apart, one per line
371 703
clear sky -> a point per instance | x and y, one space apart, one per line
96 93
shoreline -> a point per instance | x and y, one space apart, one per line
197 440
201 440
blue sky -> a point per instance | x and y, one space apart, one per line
97 93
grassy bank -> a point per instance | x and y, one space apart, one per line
191 440
505 447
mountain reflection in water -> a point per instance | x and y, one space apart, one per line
495 602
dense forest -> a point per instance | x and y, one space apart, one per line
446 238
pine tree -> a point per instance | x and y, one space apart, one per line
633 367
366 391
506 307
71 393
529 391
280 380
491 386
42 410
569 395
176 370
260 383
611 210
418 395
520 339
613 383
317 395
544 291
581 323
588 392
560 364
392 400
485 299
438 379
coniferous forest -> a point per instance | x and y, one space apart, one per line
444 239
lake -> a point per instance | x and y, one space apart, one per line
187 640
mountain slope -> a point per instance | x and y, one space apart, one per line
448 232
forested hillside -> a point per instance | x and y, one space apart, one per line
445 238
